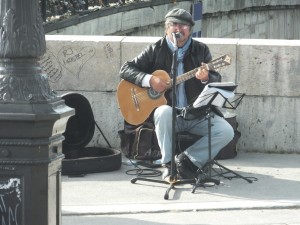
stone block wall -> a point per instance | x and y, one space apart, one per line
263 19
267 71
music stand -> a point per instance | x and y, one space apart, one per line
205 172
173 176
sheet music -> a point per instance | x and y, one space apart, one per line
228 86
208 93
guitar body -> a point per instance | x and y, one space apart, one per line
136 103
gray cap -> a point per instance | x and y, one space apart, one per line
180 16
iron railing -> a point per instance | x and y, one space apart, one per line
53 10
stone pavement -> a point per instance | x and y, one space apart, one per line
110 198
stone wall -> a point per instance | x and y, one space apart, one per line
257 19
138 19
267 71
263 19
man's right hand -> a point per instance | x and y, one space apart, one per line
158 84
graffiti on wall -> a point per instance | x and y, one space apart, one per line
51 66
109 52
69 58
110 56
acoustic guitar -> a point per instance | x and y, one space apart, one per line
136 103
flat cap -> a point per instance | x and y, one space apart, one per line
180 16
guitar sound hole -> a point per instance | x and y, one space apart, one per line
153 94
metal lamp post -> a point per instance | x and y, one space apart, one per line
32 120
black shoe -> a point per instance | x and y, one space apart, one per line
185 168
166 174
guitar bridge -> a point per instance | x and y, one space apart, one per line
135 99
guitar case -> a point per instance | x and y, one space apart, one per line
79 159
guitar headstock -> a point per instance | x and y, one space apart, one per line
217 63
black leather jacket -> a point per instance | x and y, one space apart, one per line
158 56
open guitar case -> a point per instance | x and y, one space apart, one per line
79 159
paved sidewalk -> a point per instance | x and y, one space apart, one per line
110 197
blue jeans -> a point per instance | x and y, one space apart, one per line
221 134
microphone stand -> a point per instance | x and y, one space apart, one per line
174 100
173 176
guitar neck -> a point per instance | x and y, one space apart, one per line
212 66
185 76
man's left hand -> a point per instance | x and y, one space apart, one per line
202 73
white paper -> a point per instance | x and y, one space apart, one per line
206 95
221 84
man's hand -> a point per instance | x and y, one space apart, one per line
158 84
202 73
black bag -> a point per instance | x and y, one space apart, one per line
230 150
140 142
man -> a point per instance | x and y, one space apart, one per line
191 54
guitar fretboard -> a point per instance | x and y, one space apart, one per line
186 76
213 65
